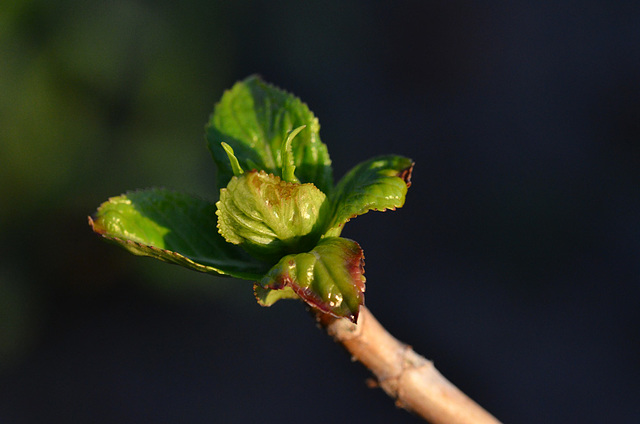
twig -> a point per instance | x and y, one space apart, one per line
410 379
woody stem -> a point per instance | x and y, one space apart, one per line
407 377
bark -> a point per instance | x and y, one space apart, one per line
410 379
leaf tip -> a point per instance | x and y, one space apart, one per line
354 316
405 174
288 166
235 165
96 226
91 223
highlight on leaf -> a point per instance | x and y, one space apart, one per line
379 184
173 227
329 278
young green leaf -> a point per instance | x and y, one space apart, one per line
288 165
267 297
269 217
176 228
329 278
377 184
254 118
277 206
233 160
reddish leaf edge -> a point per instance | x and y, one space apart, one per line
406 174
356 271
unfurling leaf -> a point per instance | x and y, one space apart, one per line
233 160
288 164
176 228
377 184
269 217
255 118
279 217
329 278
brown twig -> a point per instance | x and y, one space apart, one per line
407 377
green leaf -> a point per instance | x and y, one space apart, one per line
233 160
254 118
267 297
288 165
377 184
329 278
269 217
176 228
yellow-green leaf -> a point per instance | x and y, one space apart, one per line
269 217
176 228
377 184
330 278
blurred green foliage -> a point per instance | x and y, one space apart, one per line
96 97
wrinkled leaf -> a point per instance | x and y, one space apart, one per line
267 216
330 278
175 228
377 184
254 118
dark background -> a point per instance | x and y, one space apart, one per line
514 264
